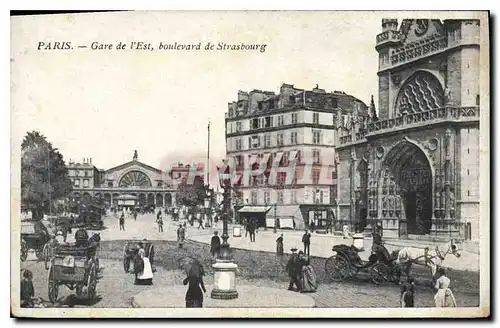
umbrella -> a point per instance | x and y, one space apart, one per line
191 266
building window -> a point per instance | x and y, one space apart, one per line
316 137
160 184
316 156
280 197
477 100
77 173
268 122
267 197
238 126
254 197
315 177
110 184
255 141
321 197
238 144
280 139
281 178
255 123
85 173
267 140
293 197
85 183
315 118
334 103
280 120
284 158
293 138
291 98
77 183
294 118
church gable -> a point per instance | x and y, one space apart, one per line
413 30
130 165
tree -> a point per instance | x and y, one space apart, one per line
191 194
373 111
43 174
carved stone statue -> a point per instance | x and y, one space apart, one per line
135 155
448 96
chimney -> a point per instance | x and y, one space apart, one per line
91 161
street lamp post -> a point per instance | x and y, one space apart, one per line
224 267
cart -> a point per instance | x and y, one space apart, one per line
346 263
34 235
132 248
76 268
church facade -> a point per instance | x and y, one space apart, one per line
134 179
415 168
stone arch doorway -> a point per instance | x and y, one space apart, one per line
406 190
159 200
168 199
142 199
151 199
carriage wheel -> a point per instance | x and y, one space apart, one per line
47 255
380 273
92 283
337 268
24 251
53 286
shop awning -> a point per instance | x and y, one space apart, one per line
254 209
289 216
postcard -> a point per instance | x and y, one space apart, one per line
248 164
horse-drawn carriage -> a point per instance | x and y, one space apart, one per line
34 235
75 266
385 267
132 248
347 263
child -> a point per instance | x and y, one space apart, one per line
27 290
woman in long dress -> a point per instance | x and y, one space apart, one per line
194 294
444 296
144 276
307 280
181 235
279 245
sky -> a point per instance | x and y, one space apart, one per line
104 104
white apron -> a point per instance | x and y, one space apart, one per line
147 273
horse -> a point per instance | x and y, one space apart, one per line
431 257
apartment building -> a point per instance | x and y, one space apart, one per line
294 132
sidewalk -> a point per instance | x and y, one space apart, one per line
321 245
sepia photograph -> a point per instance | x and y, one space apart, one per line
250 164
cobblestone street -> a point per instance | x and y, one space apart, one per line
116 288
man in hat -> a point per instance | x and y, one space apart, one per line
181 234
292 269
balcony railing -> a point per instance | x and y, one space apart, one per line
417 119
429 117
388 36
418 49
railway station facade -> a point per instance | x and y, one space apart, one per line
134 179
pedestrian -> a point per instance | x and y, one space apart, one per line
306 240
444 296
408 293
142 268
252 231
200 221
307 276
279 245
215 245
194 294
27 290
247 227
122 222
181 234
159 220
291 268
